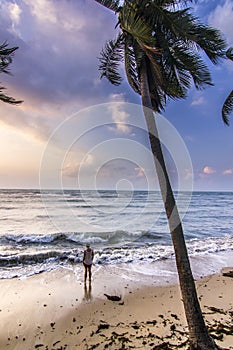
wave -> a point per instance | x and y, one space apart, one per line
107 238
16 260
33 239
127 253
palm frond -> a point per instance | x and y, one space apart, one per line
169 85
182 25
165 74
8 99
132 63
229 53
6 55
198 35
158 100
227 108
154 62
133 23
111 56
174 3
157 94
190 62
210 41
110 4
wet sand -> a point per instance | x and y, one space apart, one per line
55 310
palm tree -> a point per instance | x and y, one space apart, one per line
160 45
227 107
6 55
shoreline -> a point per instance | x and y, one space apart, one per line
54 310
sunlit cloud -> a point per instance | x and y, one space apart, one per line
70 169
221 18
55 69
228 172
208 170
73 163
88 160
140 172
56 61
43 10
117 97
15 12
119 116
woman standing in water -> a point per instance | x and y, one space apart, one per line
88 257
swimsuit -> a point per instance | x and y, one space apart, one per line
88 257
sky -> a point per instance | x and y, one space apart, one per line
75 130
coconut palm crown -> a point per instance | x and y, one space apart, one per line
6 55
170 39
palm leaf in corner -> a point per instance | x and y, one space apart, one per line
111 57
227 107
6 55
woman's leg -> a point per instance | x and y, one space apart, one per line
85 273
89 270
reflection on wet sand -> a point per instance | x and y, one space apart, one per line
87 292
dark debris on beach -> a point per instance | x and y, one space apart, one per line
144 334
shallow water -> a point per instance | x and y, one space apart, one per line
43 231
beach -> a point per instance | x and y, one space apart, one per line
44 303
55 310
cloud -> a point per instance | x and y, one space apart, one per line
75 162
14 13
140 172
71 169
188 174
221 18
208 170
228 172
55 69
198 101
119 115
88 160
58 48
117 97
43 10
31 123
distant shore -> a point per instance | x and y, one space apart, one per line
53 310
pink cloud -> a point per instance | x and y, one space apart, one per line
228 172
208 170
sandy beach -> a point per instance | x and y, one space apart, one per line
54 310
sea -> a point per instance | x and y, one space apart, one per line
47 230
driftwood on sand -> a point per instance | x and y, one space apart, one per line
227 272
113 297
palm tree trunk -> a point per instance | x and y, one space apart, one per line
198 335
